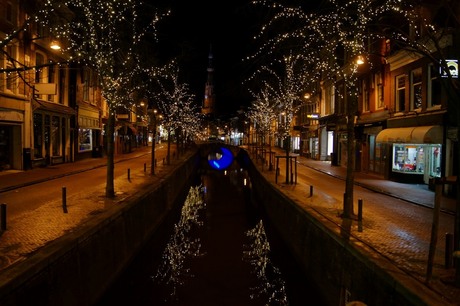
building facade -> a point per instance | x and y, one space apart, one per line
406 125
52 110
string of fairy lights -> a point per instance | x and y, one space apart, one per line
105 36
316 35
175 100
262 112
280 87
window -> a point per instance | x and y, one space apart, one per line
434 87
340 101
9 79
11 13
86 84
366 102
408 158
416 88
51 80
39 71
62 86
400 101
38 135
55 137
84 140
331 100
379 93
417 159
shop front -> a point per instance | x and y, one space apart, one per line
413 154
89 134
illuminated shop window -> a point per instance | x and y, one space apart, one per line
417 159
84 140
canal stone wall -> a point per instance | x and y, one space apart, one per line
77 268
343 268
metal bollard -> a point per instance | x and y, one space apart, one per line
64 199
3 216
449 250
360 209
129 174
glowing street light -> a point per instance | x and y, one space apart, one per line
55 45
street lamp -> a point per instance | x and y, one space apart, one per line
55 45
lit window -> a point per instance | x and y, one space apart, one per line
400 93
434 87
416 88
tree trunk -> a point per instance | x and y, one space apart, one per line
109 186
288 144
350 178
168 155
154 133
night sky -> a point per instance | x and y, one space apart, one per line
228 26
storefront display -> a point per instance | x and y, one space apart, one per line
417 158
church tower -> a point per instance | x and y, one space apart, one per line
209 96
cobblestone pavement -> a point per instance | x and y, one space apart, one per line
407 249
30 230
401 233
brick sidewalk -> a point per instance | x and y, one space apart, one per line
401 234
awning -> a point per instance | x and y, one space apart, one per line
52 107
129 126
418 134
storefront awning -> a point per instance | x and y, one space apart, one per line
52 107
128 126
418 134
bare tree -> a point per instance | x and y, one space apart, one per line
175 102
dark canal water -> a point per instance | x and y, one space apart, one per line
216 251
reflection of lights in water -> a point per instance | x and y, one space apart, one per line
271 284
172 270
245 182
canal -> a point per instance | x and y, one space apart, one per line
217 250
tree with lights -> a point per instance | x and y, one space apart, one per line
106 37
284 81
176 103
262 113
330 40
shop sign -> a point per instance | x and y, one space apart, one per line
452 64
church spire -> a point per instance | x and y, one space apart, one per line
209 96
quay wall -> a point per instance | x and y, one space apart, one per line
77 268
344 269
